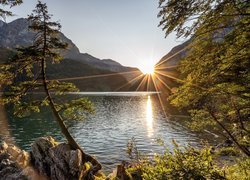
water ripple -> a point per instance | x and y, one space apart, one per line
106 133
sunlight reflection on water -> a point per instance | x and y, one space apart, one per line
149 118
105 134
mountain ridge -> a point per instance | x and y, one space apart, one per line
75 63
173 57
16 33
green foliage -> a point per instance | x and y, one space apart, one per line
228 151
10 3
187 163
215 72
74 110
187 17
200 119
182 163
240 171
22 76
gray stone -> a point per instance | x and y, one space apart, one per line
56 161
47 160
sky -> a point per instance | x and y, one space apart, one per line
123 30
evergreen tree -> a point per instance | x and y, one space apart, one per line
26 74
215 73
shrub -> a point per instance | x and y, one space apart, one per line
182 163
228 151
239 171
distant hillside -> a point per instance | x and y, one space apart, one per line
174 56
87 81
167 67
16 34
76 64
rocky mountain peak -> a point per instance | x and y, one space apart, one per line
17 33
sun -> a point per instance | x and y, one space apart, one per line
147 69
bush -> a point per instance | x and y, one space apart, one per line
239 171
182 163
228 151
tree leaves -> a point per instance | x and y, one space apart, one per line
22 75
11 3
215 72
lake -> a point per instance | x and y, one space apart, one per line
105 134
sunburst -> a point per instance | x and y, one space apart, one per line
151 78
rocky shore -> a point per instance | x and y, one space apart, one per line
46 160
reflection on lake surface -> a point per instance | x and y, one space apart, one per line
149 117
106 133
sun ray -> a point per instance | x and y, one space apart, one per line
142 82
148 83
93 76
179 80
159 97
169 76
165 60
165 84
166 67
132 80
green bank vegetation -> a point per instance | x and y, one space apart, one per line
186 163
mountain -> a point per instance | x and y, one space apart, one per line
76 64
173 57
98 63
166 69
16 33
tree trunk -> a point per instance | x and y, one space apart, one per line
64 130
242 148
71 141
240 119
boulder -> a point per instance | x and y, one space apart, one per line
47 160
57 161
13 162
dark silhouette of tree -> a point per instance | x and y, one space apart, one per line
26 74
215 72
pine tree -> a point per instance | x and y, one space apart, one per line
26 74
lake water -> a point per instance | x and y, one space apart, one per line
118 118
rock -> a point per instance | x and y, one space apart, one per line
3 146
47 160
12 173
75 161
56 161
14 151
9 167
15 164
23 159
33 174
